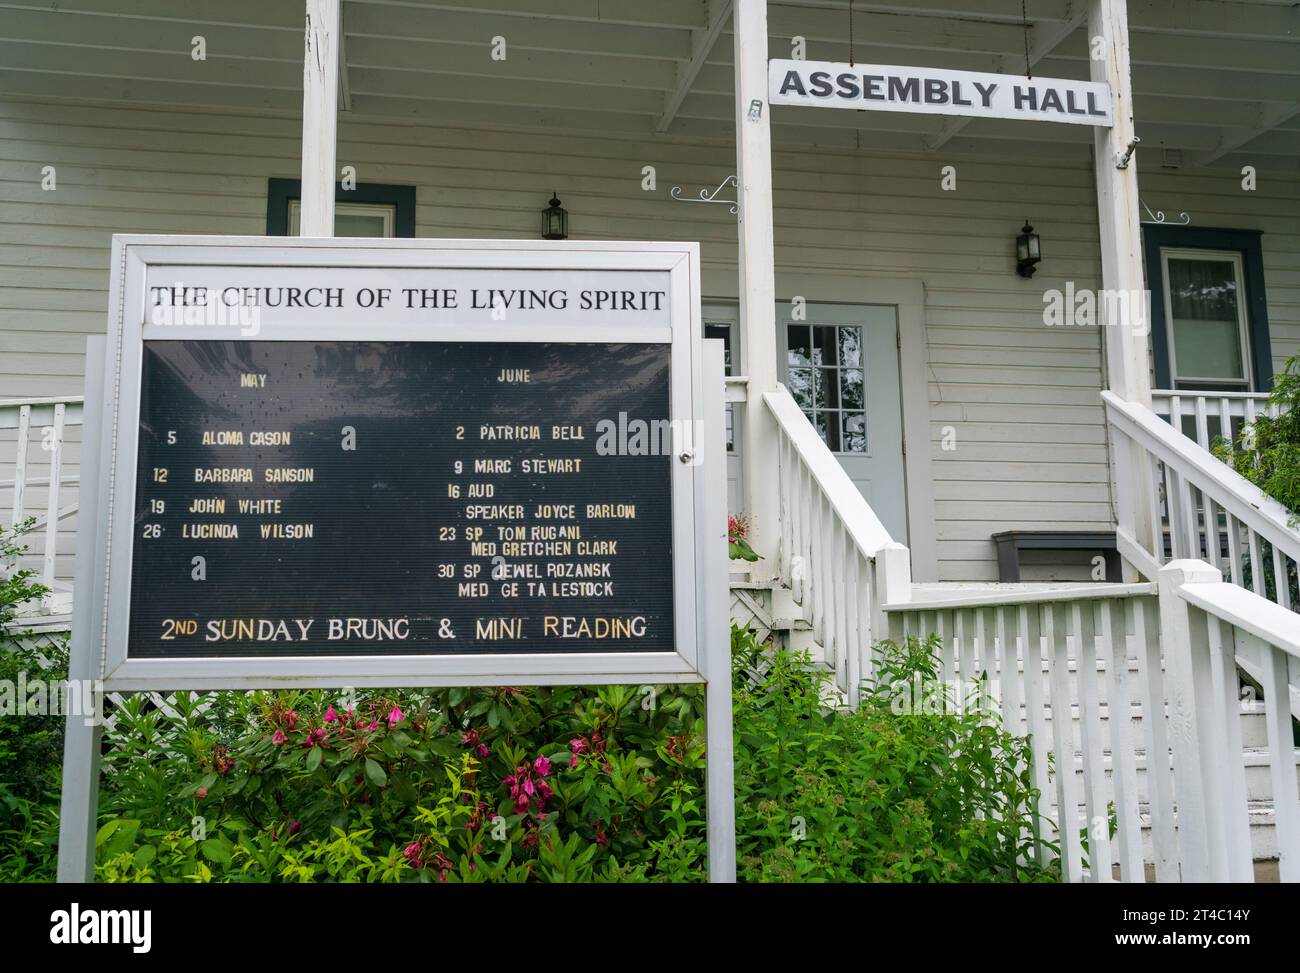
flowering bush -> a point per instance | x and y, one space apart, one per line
549 784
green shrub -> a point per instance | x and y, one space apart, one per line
31 743
550 784
1267 452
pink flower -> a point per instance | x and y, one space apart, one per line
372 725
202 792
412 854
395 717
279 738
543 766
573 761
330 715
295 827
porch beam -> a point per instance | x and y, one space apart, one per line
1126 342
320 98
702 42
1269 118
1046 39
757 257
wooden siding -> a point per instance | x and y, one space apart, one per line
1020 398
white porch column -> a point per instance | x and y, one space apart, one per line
1127 341
757 283
320 96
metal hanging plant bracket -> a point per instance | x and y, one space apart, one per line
1158 217
707 196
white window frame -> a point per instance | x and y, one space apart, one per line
388 210
1193 382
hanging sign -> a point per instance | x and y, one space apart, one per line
431 465
937 91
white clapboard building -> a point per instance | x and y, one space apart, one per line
931 431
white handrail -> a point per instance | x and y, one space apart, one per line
851 507
1026 596
1247 611
1225 487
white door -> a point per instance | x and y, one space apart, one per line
841 365
723 321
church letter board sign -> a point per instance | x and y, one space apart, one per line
420 463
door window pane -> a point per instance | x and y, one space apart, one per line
825 377
352 219
1205 317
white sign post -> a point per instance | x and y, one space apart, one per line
938 91
202 404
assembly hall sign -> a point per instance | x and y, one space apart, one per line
934 91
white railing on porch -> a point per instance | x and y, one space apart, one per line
1213 514
1081 672
35 483
829 542
1209 416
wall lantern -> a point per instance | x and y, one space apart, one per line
1029 251
555 221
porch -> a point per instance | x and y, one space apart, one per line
611 108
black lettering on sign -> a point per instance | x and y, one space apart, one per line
488 505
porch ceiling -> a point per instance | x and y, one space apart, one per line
1216 80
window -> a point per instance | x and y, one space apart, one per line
825 374
369 210
1209 325
1209 347
352 219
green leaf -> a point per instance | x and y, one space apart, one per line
217 850
375 773
314 758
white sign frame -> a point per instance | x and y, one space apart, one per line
139 261
696 384
983 102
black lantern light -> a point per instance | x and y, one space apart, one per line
1029 251
555 221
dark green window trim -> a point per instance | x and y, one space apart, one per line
279 193
1245 242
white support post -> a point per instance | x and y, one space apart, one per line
320 98
893 586
1208 848
715 636
1126 340
757 280
79 801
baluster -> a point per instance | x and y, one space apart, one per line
854 605
20 463
1123 752
1225 720
1155 727
1234 549
826 584
1202 428
1067 784
1282 763
1177 545
52 497
1280 578
1030 646
787 512
1257 583
961 649
1225 421
838 625
1157 538
1092 743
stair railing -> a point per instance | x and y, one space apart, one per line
1213 513
835 555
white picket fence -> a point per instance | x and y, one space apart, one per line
1129 691
1128 681
38 480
